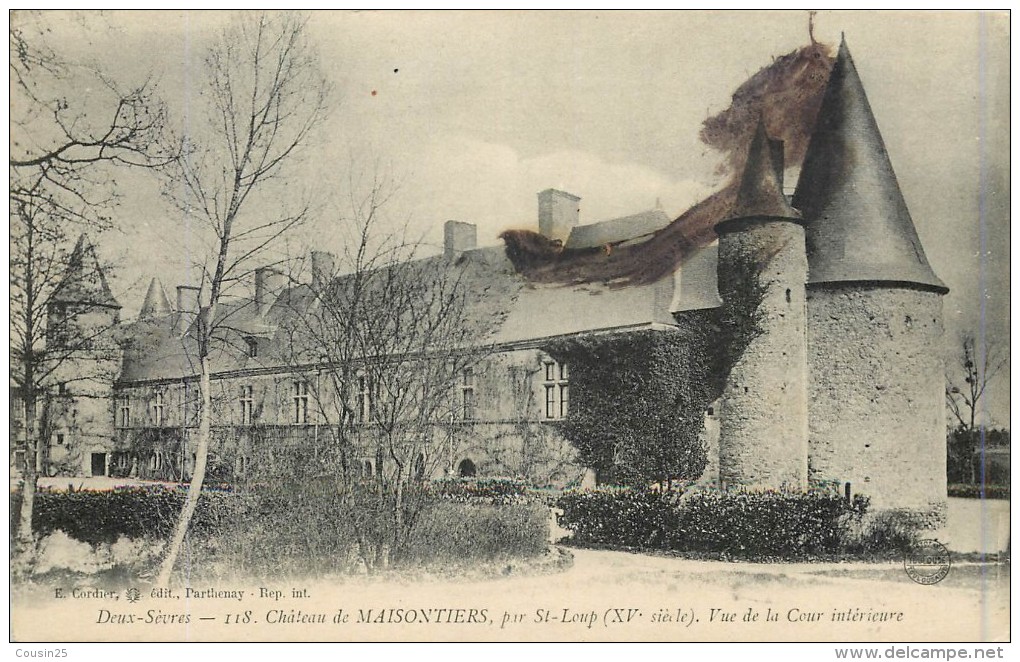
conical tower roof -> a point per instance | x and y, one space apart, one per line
761 187
857 226
84 280
156 304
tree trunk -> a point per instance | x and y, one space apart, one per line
25 533
197 478
398 512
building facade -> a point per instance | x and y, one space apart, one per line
843 386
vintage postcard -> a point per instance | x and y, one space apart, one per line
510 326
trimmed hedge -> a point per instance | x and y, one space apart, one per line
103 516
969 491
751 525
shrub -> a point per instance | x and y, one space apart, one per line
311 528
882 535
448 531
493 490
743 524
619 516
764 524
969 491
272 533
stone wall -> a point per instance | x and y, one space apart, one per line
877 411
763 427
508 436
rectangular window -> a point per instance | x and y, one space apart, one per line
467 394
60 439
557 390
124 412
247 404
157 409
300 402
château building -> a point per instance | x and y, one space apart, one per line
844 386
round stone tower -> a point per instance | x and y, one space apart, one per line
764 423
877 411
82 317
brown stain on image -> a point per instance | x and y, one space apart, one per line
786 94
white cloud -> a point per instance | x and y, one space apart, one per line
491 185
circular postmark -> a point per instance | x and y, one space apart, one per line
927 562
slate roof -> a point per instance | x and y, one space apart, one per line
616 230
696 282
857 226
525 314
84 280
166 348
156 304
761 187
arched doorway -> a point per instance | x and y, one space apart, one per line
466 469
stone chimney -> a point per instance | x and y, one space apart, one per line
323 269
269 283
188 302
458 237
557 213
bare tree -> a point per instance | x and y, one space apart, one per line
976 363
266 96
62 147
393 338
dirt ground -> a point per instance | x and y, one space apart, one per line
603 596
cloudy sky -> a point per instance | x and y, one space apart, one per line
474 113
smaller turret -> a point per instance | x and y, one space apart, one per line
764 422
156 305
